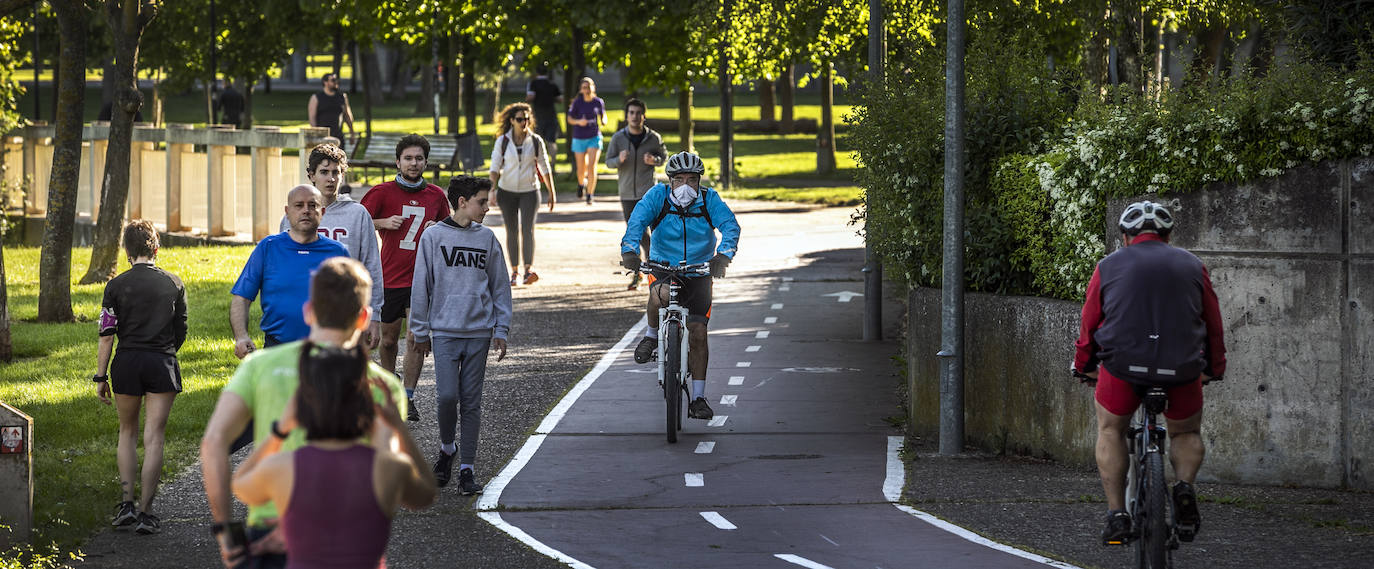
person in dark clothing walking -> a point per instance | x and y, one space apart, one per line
328 107
230 105
544 98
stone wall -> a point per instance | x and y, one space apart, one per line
1292 261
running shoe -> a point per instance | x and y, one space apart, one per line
589 198
412 414
467 483
443 468
148 524
514 276
1118 530
1187 520
125 515
699 409
581 191
531 278
647 350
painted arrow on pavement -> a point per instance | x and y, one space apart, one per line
844 295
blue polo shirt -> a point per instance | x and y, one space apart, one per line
280 269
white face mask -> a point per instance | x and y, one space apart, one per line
684 195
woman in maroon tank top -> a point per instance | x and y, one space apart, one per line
337 494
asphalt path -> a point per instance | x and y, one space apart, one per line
798 468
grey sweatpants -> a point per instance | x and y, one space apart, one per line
518 210
460 365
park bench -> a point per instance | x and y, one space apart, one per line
446 152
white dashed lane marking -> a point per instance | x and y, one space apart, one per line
694 479
784 288
743 364
718 520
705 447
753 348
718 421
770 320
761 334
728 400
736 380
798 560
776 306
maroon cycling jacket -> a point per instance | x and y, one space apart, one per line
1151 316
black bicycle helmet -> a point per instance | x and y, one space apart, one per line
1146 216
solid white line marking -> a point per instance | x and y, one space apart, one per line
728 400
718 420
770 320
798 560
497 484
761 334
743 364
705 447
892 490
694 479
494 519
832 542
718 520
753 348
736 380
777 306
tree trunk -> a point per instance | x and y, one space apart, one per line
825 137
247 118
495 106
469 88
1209 44
372 74
767 110
353 68
1095 52
400 74
55 261
453 83
6 345
684 118
785 85
127 23
1126 24
425 106
338 48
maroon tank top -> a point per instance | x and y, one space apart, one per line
333 520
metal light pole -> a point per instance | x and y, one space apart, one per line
952 294
873 267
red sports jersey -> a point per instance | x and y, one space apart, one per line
419 210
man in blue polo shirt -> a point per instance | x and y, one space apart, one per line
280 269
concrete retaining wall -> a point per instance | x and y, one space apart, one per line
1292 261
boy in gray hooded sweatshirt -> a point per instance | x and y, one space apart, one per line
460 307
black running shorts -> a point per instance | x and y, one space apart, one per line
136 372
395 301
695 294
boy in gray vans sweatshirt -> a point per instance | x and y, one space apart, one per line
460 307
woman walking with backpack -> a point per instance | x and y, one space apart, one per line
519 164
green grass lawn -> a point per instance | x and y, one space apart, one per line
768 166
75 477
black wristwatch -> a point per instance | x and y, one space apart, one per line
276 431
218 528
100 378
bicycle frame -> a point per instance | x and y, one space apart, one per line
1146 497
672 320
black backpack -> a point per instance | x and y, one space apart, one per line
538 144
670 207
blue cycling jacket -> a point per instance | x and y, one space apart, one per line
682 238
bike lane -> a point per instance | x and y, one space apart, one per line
798 468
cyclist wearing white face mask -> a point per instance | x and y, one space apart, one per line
683 218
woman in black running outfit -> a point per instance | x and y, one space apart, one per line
145 307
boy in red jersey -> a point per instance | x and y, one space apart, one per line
401 211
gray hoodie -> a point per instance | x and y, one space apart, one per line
460 288
635 176
348 222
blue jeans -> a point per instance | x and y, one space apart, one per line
460 366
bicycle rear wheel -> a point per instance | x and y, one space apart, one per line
672 378
1154 532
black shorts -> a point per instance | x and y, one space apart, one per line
695 294
136 372
395 302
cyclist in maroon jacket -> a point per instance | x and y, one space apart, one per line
1150 318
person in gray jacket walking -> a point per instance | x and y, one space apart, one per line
635 151
460 307
347 222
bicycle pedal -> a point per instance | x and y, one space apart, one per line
1186 532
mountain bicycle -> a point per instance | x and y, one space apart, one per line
672 346
1147 496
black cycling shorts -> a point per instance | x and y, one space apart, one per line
395 301
695 294
136 372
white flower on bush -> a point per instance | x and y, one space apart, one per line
1269 172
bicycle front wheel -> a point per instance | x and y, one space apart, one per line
672 377
1154 532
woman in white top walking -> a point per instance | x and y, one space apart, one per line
519 164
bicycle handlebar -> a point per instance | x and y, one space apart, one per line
650 266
